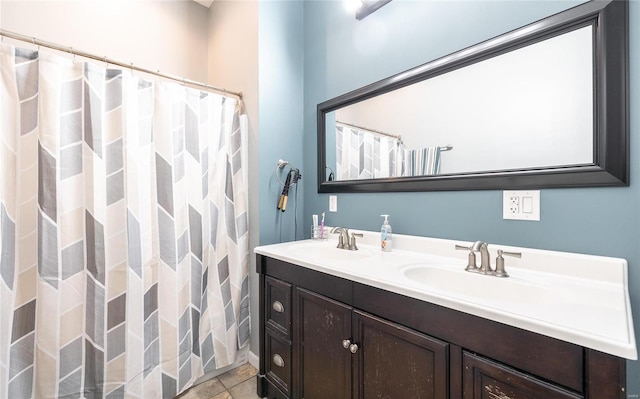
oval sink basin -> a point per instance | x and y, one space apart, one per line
329 252
455 281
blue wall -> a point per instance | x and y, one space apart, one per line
280 89
342 54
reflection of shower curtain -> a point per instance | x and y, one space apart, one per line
124 253
363 155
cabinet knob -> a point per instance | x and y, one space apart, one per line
353 348
346 343
278 360
278 306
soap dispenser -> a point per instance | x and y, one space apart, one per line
386 235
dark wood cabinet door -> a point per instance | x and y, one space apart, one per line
395 362
485 379
278 306
324 365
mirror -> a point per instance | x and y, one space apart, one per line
541 106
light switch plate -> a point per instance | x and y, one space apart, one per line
333 203
521 205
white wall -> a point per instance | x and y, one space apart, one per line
233 64
170 36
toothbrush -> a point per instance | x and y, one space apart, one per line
322 227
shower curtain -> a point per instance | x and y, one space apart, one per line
124 241
364 155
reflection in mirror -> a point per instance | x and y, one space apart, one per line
363 153
542 106
483 111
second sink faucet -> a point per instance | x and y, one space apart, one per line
485 262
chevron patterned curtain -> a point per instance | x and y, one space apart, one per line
364 155
124 232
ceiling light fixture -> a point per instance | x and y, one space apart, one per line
368 6
353 5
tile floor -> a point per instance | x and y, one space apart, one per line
239 383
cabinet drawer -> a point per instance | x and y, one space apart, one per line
485 379
278 362
278 306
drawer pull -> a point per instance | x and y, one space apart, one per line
278 360
278 307
353 348
346 343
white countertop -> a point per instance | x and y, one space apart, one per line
582 299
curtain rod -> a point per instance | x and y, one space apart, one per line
395 136
71 50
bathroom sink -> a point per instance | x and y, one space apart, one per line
455 281
582 299
327 252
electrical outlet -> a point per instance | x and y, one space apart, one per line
514 204
333 203
521 205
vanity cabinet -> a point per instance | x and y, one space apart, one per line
345 352
329 337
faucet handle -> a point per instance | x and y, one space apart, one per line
471 265
500 272
514 254
352 244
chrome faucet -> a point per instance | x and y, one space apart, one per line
343 240
485 262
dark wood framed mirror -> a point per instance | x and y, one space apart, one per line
572 133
